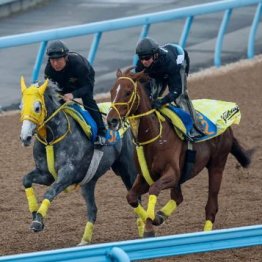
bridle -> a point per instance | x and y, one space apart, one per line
130 104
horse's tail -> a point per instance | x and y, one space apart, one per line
242 155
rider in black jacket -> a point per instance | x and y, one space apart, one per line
167 66
75 77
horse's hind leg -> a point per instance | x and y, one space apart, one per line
88 193
215 178
166 211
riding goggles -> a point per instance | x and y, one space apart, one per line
145 57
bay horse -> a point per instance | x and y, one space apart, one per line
161 153
61 138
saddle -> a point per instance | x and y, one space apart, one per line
214 115
89 126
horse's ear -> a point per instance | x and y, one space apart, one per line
140 76
43 87
118 73
23 85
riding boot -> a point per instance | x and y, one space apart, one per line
196 121
93 109
184 102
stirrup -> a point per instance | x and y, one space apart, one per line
195 133
199 130
100 140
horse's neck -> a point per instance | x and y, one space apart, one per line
57 125
148 124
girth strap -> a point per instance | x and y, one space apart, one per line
95 161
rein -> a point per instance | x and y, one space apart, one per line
131 101
47 120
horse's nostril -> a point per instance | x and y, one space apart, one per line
114 122
28 139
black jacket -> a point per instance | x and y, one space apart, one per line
77 77
166 70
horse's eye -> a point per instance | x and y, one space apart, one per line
128 93
37 107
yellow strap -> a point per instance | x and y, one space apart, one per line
142 114
50 157
143 165
169 207
208 225
59 138
151 206
31 199
160 120
87 237
44 207
140 226
140 211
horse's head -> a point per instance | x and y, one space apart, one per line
33 110
125 97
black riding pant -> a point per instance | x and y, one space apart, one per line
91 106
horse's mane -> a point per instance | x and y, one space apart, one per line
142 77
53 92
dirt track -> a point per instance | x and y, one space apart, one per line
239 200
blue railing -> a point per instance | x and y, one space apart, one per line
167 246
146 21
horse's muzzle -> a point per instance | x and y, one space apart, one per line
26 141
114 124
27 132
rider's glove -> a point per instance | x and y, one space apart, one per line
157 104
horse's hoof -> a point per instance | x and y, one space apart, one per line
149 234
83 243
37 226
160 218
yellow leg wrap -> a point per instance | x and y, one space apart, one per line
151 206
169 208
140 211
87 237
31 199
208 225
141 227
44 207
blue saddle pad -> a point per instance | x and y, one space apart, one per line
209 127
88 118
111 136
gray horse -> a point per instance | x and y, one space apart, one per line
65 156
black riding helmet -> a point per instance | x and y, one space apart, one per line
57 49
147 47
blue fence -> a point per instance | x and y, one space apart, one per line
162 246
150 248
98 28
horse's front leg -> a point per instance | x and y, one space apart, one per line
168 179
88 193
176 198
64 180
139 188
35 177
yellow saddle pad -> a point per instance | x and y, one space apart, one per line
216 116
